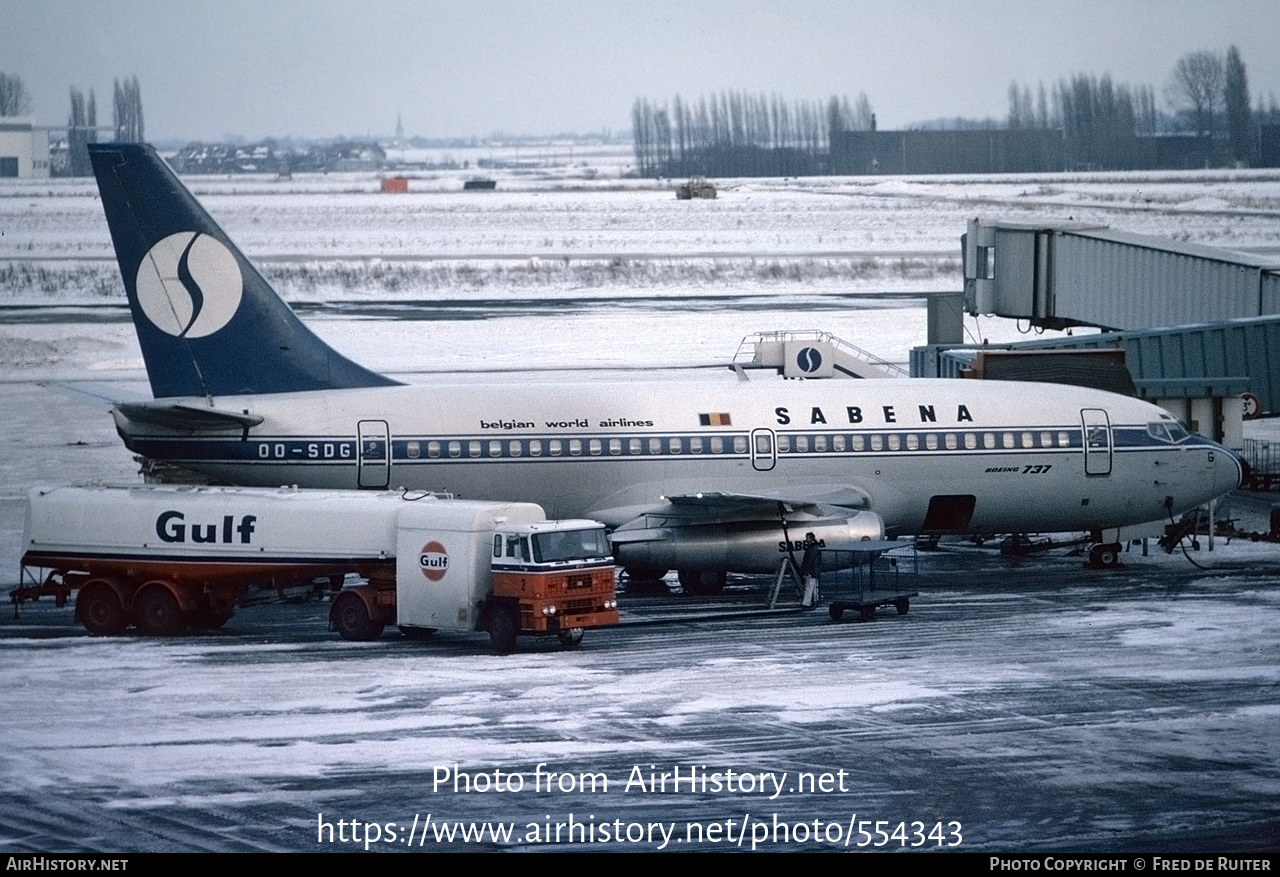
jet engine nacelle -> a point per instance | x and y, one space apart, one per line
749 546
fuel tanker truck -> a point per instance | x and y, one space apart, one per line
164 559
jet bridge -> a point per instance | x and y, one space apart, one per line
1062 274
1191 319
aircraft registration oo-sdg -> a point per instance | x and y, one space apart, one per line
702 477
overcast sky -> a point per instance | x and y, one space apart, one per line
338 67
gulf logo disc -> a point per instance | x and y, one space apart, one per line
433 560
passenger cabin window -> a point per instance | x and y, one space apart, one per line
615 446
951 441
515 448
655 446
913 442
739 444
473 448
877 443
535 447
433 449
455 449
595 447
495 448
674 446
784 444
413 449
820 443
575 447
695 445
971 440
837 443
717 445
634 446
555 447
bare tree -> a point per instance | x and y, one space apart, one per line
1236 101
15 100
1196 89
127 111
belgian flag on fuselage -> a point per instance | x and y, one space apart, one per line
207 322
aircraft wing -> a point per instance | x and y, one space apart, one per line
723 506
795 504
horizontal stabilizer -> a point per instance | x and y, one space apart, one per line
191 418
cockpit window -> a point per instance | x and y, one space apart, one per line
1167 431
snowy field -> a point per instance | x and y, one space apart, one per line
1041 706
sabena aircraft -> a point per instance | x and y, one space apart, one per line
703 477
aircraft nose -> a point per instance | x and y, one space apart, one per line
1246 471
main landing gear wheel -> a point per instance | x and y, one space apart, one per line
504 627
702 582
99 609
350 618
571 638
158 612
1105 556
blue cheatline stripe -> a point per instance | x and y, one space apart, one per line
344 450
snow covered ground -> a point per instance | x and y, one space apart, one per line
1041 706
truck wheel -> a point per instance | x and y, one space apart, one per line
867 612
571 638
702 582
902 604
504 627
158 612
836 611
350 618
99 609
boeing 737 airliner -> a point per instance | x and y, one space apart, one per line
702 477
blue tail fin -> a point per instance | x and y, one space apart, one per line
207 321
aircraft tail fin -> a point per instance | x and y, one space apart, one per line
208 323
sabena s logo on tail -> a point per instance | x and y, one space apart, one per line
189 285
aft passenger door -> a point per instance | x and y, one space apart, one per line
373 465
1097 441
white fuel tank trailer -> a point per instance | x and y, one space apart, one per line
164 558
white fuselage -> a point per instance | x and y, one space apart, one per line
1033 457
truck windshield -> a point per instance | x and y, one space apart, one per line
569 545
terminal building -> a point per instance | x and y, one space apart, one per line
24 149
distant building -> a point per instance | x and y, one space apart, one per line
24 148
991 151
226 158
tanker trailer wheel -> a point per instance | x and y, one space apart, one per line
836 611
158 612
571 638
504 627
99 609
903 605
350 618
